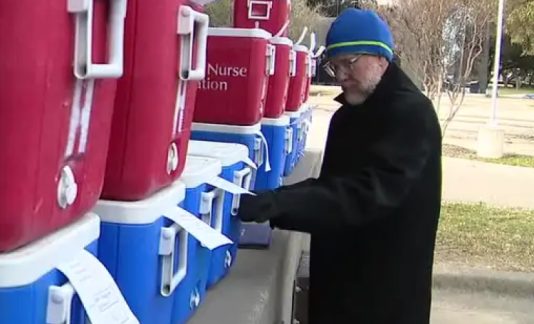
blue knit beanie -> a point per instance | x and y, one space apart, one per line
358 31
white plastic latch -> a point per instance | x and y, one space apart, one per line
259 10
288 137
172 158
292 63
271 59
84 68
67 189
228 260
258 151
211 208
170 278
192 26
242 178
59 306
194 299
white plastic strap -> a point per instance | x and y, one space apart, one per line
170 279
313 42
302 35
84 68
242 178
319 51
265 148
189 22
268 7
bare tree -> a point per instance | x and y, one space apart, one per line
465 35
440 38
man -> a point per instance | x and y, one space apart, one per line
373 212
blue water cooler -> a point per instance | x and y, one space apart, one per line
208 203
279 136
250 136
296 123
236 169
32 290
149 255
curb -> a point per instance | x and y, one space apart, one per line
481 280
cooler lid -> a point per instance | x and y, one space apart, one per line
280 121
145 211
282 41
239 32
300 48
227 153
199 170
293 114
229 129
26 265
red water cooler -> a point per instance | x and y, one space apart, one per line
299 83
165 56
270 15
285 58
239 63
58 68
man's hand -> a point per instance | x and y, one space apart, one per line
259 208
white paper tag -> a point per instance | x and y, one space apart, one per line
98 292
208 236
228 186
248 161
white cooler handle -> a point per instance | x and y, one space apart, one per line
252 3
288 137
271 59
207 202
169 278
308 66
292 63
242 178
84 68
187 19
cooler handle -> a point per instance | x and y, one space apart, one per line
288 140
308 66
292 63
84 68
187 19
59 305
319 51
264 150
207 201
271 59
313 67
242 178
252 3
169 279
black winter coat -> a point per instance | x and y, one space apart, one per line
373 213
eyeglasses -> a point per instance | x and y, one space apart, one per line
331 68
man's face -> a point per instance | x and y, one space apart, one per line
358 75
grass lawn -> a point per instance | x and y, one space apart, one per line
464 153
483 236
514 91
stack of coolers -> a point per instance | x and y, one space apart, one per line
297 108
153 240
59 67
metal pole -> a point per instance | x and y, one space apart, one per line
497 63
